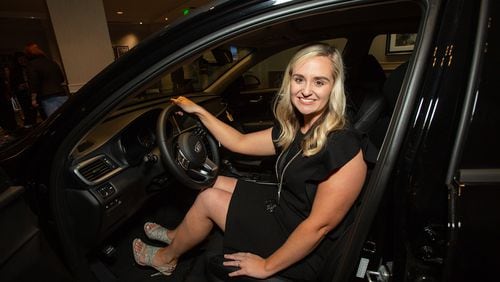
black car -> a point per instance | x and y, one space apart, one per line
77 189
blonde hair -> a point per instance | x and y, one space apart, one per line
332 118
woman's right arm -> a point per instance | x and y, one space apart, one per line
256 143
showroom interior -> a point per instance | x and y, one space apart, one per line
86 36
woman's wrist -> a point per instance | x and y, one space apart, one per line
269 269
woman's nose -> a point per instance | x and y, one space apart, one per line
307 91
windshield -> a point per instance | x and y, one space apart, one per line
194 76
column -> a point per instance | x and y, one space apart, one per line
82 37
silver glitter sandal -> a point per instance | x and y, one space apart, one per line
148 253
156 232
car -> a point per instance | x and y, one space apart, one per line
76 190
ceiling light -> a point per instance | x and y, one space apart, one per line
166 18
119 12
140 22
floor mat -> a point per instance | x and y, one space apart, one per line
167 209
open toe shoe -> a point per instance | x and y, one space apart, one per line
156 232
147 254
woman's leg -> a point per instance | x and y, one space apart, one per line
224 183
210 207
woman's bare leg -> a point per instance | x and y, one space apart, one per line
210 207
224 183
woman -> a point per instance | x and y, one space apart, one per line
286 229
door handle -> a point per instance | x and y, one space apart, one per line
258 100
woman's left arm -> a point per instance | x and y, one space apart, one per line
333 200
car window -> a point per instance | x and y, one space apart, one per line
194 75
391 54
269 72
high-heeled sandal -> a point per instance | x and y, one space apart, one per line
156 232
148 253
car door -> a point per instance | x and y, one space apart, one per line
445 221
25 254
474 174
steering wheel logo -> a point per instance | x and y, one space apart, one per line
197 147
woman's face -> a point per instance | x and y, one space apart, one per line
311 85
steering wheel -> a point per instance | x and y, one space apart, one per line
192 155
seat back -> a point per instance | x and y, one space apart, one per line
369 102
390 92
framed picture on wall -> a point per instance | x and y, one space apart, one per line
119 50
400 43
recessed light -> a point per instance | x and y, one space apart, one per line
119 12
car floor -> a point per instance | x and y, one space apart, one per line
166 208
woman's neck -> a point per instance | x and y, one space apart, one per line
308 123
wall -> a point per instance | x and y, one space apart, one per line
130 35
388 62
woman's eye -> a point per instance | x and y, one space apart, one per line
319 83
298 80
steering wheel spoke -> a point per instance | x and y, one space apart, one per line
207 172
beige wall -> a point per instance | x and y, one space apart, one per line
388 62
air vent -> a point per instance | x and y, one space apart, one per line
97 169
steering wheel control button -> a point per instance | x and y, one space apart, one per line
150 158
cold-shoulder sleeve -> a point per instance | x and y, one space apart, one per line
342 146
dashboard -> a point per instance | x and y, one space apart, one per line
117 167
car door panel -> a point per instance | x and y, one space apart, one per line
25 254
18 226
253 109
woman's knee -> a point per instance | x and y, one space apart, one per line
225 183
212 198
214 204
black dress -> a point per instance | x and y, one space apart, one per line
258 224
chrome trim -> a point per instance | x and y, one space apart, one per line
76 171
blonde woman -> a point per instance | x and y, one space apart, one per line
320 169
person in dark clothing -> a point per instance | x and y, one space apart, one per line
285 229
7 114
46 80
21 90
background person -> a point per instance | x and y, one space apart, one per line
289 228
46 80
7 115
21 90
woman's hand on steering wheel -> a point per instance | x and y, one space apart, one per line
187 105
